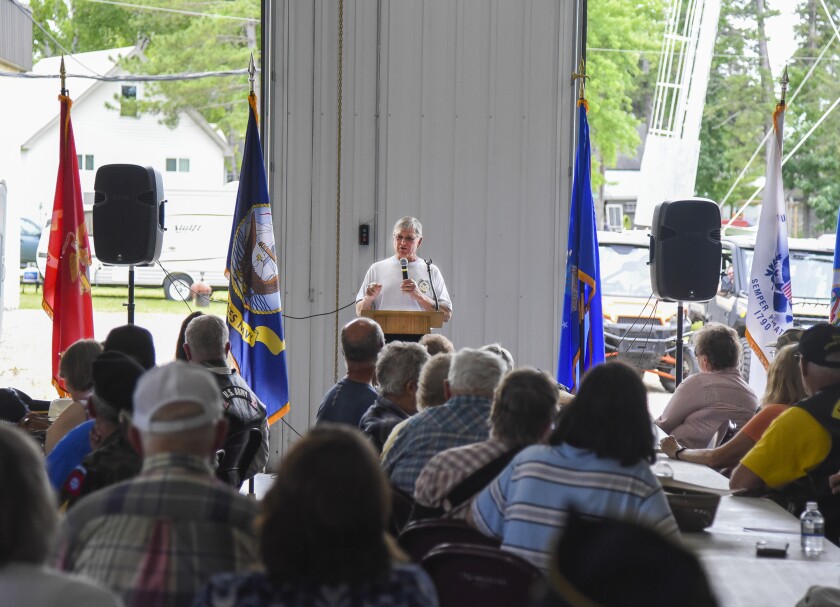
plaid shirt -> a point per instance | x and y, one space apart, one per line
460 421
156 539
447 469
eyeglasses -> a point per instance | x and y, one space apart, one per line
401 238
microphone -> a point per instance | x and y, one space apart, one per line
432 283
404 266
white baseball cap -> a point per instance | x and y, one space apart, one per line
176 382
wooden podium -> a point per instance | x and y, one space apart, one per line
400 322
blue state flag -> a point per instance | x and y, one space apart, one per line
254 313
582 328
834 313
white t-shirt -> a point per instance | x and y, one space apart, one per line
388 273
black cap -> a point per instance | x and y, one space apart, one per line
14 405
818 343
135 341
114 376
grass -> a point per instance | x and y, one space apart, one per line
114 299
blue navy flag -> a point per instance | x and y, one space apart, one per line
582 329
834 314
254 313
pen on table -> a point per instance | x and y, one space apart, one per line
762 530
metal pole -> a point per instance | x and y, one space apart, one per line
678 370
130 304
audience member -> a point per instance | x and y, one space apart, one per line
800 444
113 459
436 343
13 407
322 534
706 400
180 354
346 402
613 563
28 519
430 391
157 538
473 377
523 408
784 388
502 353
397 371
597 462
206 344
788 337
133 340
75 369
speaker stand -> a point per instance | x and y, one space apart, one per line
130 304
678 369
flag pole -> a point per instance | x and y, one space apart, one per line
581 77
63 74
252 69
785 81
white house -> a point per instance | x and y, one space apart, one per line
191 157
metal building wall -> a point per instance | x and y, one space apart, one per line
459 112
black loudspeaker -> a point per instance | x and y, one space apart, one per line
685 250
127 214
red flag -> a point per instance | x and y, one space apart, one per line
67 298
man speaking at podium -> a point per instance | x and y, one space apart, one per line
404 281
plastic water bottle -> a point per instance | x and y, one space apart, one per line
813 530
662 468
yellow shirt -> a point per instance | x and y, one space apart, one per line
794 444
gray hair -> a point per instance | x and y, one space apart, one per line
28 516
206 336
409 223
502 353
475 372
366 348
523 407
430 392
104 410
399 363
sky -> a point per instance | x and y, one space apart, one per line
779 29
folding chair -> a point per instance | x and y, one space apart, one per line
466 574
419 537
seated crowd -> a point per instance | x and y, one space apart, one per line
151 515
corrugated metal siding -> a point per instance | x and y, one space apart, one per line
472 136
15 36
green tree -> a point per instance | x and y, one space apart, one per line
813 169
739 105
620 36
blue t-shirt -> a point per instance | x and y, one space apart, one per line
346 402
68 453
527 504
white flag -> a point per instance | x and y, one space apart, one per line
770 303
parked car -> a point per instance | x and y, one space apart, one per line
30 234
811 274
639 329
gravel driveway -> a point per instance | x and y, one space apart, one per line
27 339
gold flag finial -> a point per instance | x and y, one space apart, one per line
252 69
581 75
784 82
63 74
